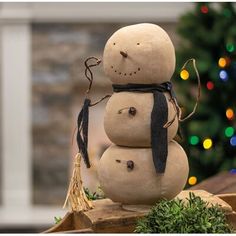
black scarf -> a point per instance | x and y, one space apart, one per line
82 134
159 118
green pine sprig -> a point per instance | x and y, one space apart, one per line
57 219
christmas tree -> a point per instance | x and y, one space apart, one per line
208 34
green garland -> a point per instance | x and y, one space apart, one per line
177 216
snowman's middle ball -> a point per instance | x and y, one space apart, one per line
127 120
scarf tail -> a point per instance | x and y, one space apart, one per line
82 134
159 117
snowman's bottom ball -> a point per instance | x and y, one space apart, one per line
128 175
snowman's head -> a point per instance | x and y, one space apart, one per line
139 54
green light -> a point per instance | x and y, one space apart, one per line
194 140
229 131
227 12
230 47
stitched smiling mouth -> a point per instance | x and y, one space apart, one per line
126 73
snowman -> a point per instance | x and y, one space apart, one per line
144 164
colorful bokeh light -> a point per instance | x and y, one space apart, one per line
192 180
210 85
204 9
229 114
222 62
184 74
207 143
233 171
233 141
227 12
230 47
194 140
223 75
229 131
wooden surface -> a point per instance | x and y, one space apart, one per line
106 217
231 200
110 217
221 183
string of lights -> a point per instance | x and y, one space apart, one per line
224 64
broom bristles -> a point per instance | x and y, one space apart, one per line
76 197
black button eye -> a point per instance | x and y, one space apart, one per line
114 43
138 43
132 111
130 165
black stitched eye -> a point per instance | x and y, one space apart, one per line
138 43
114 43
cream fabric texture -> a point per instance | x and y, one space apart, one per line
142 185
125 129
139 54
150 55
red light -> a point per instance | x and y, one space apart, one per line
209 85
204 9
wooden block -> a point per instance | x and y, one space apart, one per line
230 199
108 216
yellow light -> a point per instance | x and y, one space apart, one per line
184 74
192 180
229 113
222 62
207 143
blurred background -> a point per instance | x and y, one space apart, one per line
42 54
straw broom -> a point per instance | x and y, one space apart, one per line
76 197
